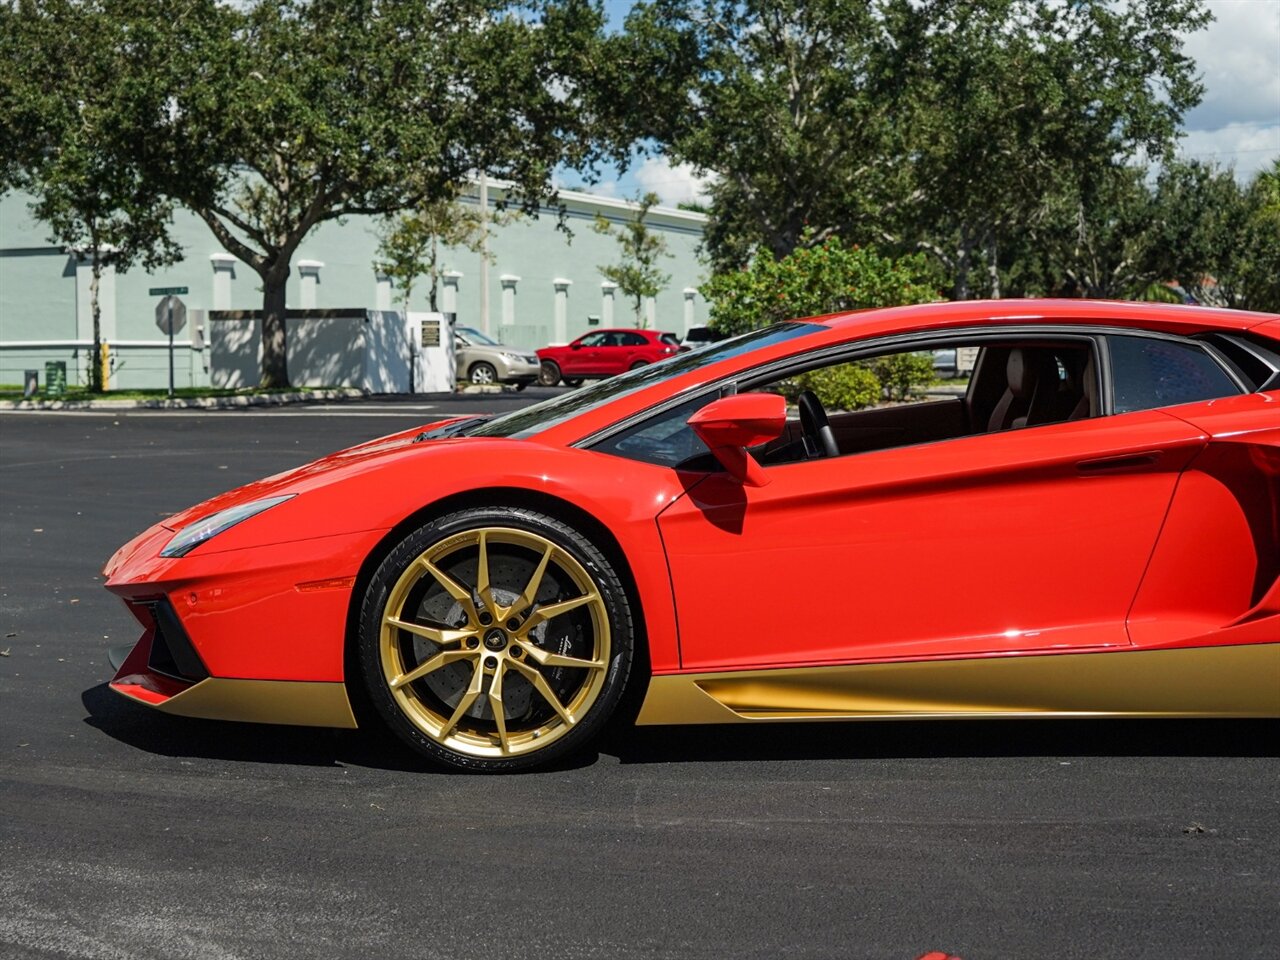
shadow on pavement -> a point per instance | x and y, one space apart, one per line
909 739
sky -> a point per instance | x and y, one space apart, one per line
1236 125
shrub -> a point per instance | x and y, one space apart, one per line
902 373
848 386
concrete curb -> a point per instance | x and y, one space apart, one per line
186 403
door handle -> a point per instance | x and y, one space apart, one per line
1122 463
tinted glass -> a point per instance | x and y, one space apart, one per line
1151 373
593 339
667 439
633 340
549 413
472 335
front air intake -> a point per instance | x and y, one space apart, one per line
172 654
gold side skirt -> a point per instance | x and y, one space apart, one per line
1224 681
293 702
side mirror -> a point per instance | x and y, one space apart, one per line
576 345
731 424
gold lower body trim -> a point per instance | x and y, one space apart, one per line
293 702
1224 681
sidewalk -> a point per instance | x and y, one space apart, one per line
186 403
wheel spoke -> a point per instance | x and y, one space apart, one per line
452 587
441 635
495 703
535 582
441 659
464 704
548 659
547 611
540 684
483 587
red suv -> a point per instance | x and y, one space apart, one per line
602 353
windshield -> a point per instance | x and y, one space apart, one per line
472 335
550 413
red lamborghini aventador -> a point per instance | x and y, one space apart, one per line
1091 527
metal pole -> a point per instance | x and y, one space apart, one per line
170 300
484 253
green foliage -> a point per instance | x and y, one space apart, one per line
636 274
409 243
846 386
828 278
75 94
901 374
914 124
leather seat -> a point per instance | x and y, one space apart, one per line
1023 371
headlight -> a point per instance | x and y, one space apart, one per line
190 537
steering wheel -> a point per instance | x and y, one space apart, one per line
814 423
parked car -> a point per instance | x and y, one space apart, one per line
483 360
1088 531
698 337
603 353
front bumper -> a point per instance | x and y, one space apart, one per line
518 370
254 634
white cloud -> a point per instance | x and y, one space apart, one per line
673 184
1238 122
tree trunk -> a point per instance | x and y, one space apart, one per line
639 307
964 259
275 362
95 308
993 265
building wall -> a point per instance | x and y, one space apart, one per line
544 286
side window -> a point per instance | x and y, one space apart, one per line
593 340
666 440
1149 373
633 339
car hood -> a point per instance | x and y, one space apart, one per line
325 470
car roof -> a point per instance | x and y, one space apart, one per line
1169 317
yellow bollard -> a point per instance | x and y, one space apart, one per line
105 359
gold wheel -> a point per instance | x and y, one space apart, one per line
494 642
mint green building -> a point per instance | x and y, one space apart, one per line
539 285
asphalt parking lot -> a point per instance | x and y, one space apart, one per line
129 834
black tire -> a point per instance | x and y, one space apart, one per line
431 581
638 364
483 373
549 373
573 382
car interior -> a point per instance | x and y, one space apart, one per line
1013 386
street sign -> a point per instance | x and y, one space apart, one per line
168 292
171 311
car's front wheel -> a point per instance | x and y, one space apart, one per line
495 639
549 373
483 373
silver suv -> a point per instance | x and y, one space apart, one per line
483 360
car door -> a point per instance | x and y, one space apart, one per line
582 355
1022 540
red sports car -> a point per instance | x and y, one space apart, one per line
1090 528
604 353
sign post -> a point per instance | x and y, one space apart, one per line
171 317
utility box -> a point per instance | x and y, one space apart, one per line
55 378
370 350
432 352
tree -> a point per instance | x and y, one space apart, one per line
410 243
637 274
829 277
301 112
74 97
937 125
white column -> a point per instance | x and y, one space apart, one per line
449 300
381 291
509 282
607 289
650 313
561 334
84 303
689 319
224 272
309 274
